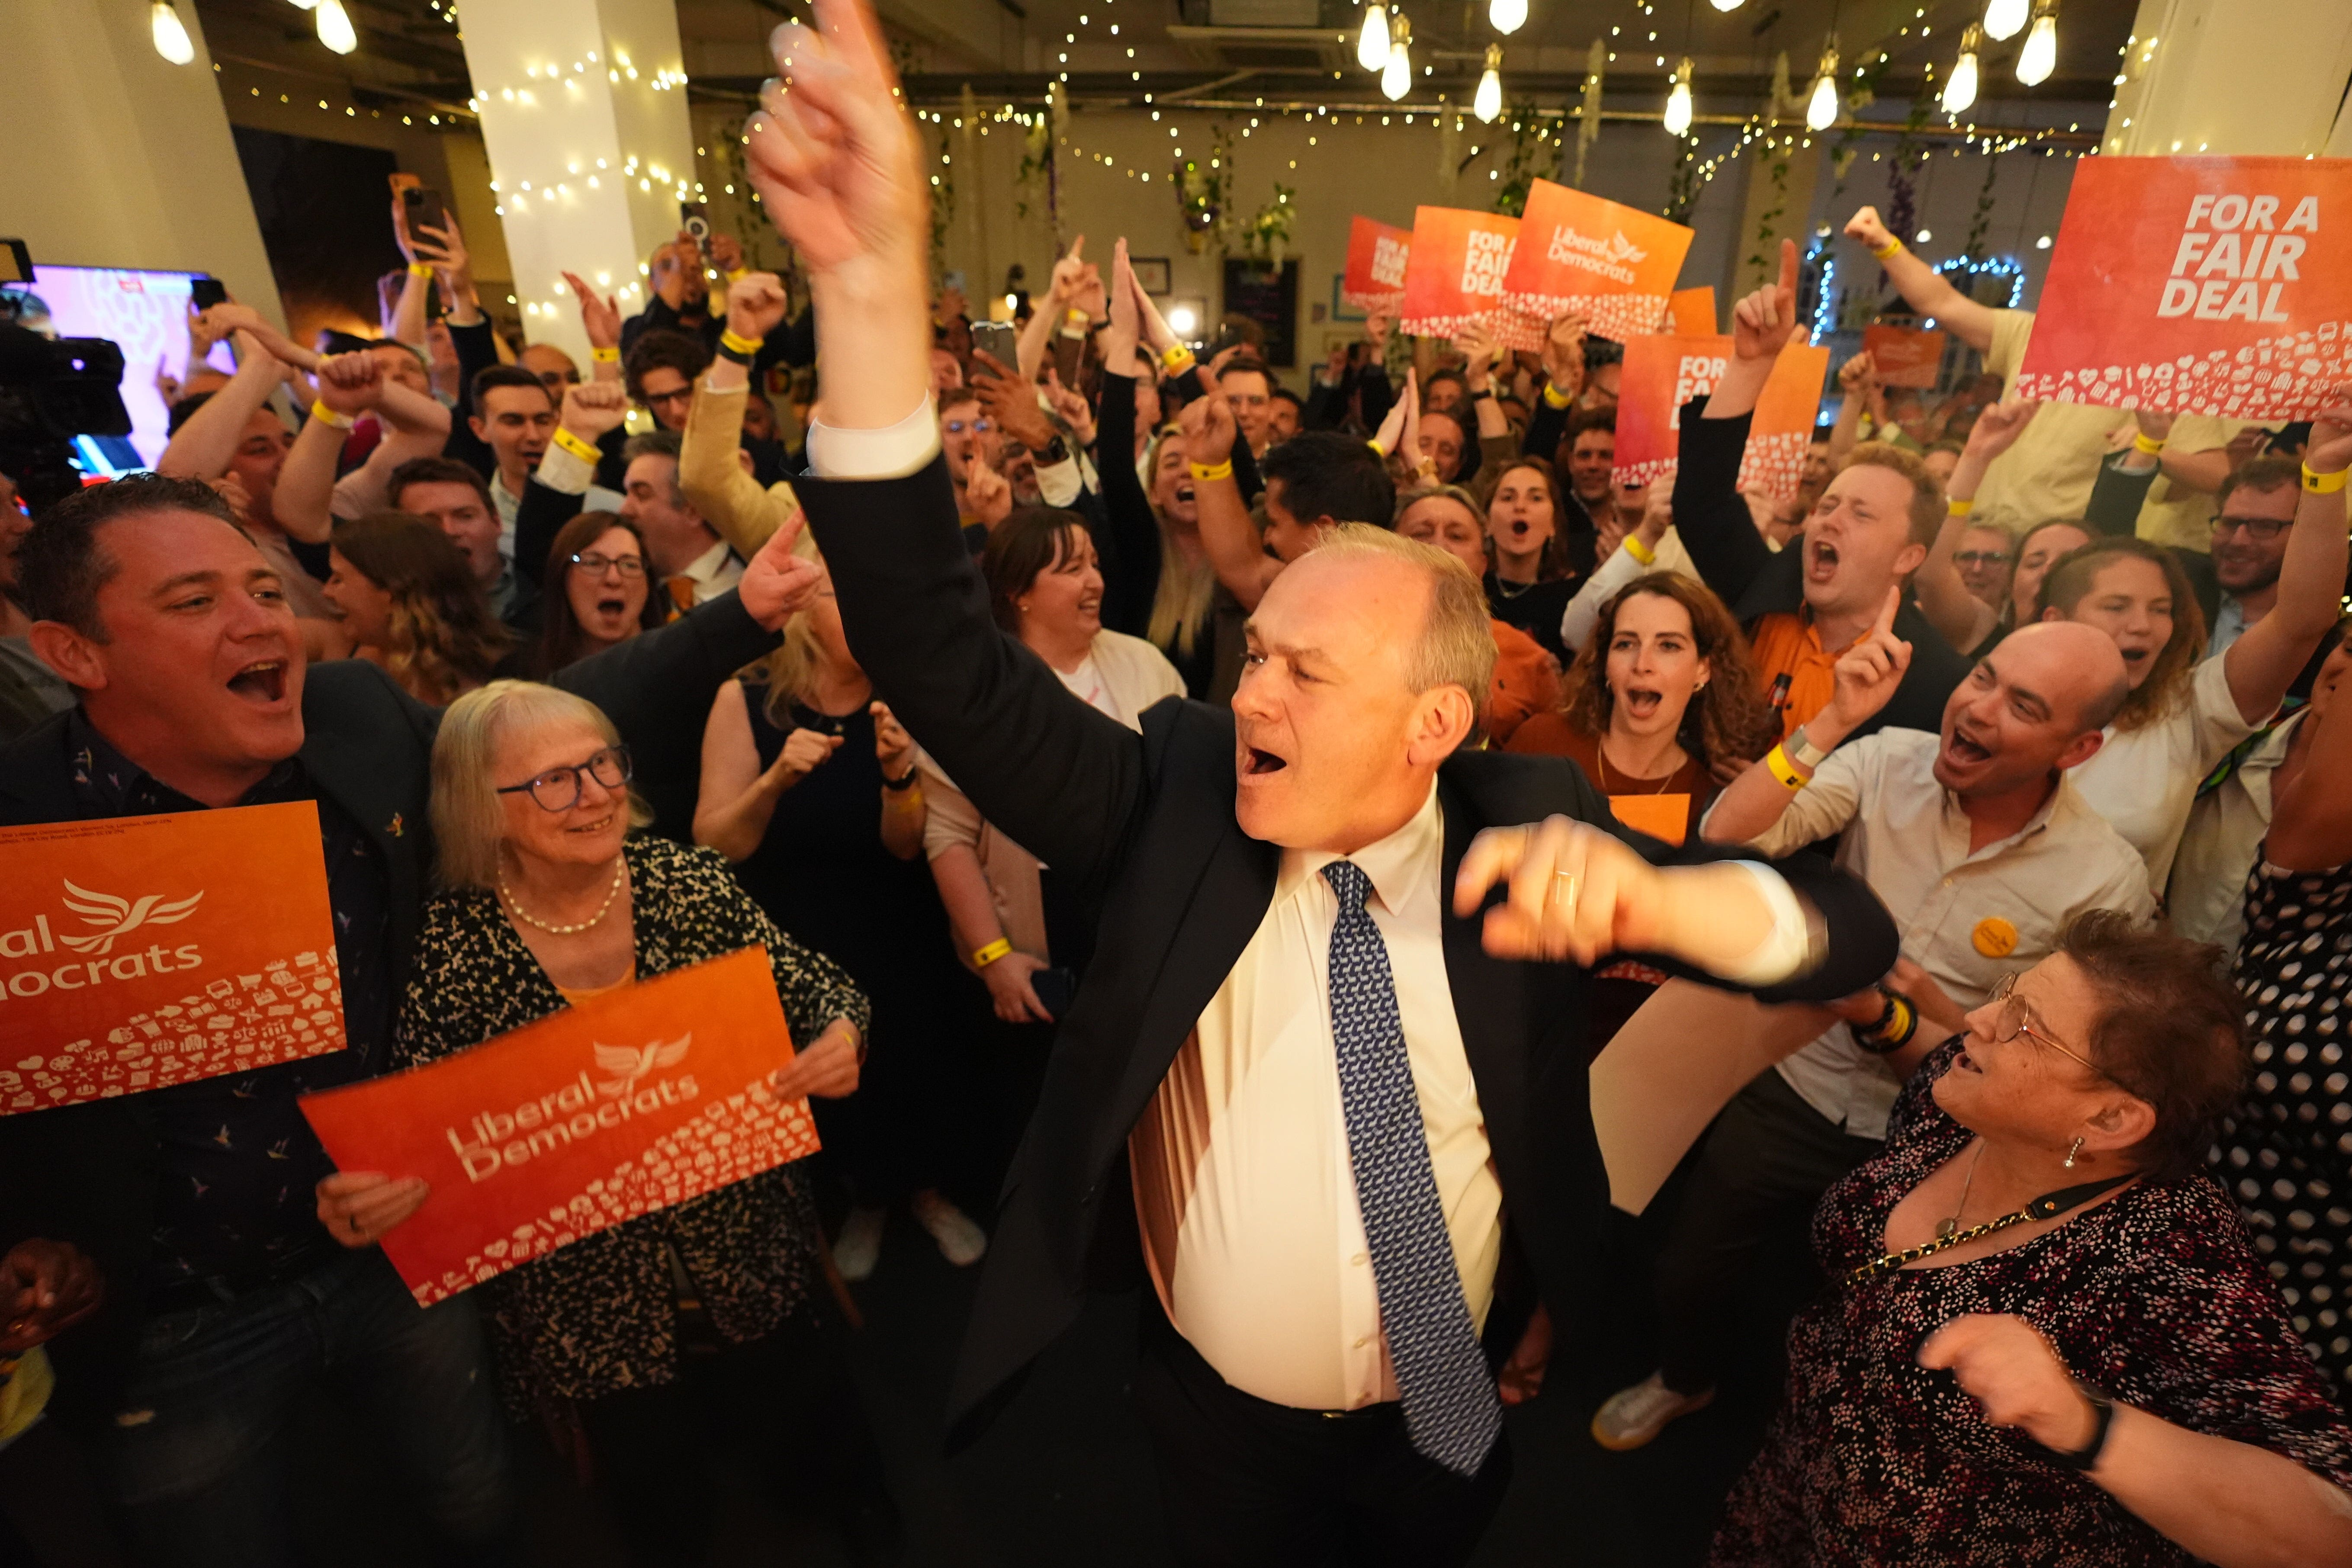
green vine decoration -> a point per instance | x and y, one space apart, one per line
1845 149
1205 192
1038 174
1978 225
1764 261
1267 236
1531 155
1683 185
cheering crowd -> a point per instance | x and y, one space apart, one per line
1201 830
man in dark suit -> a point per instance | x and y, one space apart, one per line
226 1294
1804 606
1361 1155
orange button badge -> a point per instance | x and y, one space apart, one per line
1994 937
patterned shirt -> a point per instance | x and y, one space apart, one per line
238 1163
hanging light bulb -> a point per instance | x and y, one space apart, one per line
335 28
1372 43
1489 101
1679 101
1725 4
1821 109
1507 16
2003 18
1397 79
170 35
2040 56
1960 86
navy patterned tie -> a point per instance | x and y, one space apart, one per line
1451 1408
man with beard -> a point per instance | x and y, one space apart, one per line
1976 836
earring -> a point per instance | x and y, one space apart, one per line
2072 1153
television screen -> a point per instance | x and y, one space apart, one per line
145 315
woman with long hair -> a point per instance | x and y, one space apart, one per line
598 596
1532 578
411 605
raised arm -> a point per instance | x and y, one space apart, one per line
2263 663
1234 550
1134 530
303 503
834 160
710 466
1858 379
1563 359
1964 619
1710 514
1921 286
204 446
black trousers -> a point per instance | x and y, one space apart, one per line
1248 1482
785 1401
1765 1165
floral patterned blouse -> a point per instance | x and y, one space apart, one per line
2154 1295
601 1314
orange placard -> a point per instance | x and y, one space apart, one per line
1453 279
1904 356
2198 285
1662 816
595 1114
1585 254
1692 310
1377 255
140 951
1666 371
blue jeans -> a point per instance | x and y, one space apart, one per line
195 1467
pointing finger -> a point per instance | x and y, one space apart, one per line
1789 269
1886 611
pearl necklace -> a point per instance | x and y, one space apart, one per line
619 871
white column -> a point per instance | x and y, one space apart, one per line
583 111
2223 76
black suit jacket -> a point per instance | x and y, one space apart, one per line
86 1173
1747 575
1140 830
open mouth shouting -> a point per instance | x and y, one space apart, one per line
261 683
1820 560
1963 750
1258 762
1641 701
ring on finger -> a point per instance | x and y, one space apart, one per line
1564 887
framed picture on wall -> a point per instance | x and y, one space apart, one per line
1269 298
1152 271
1341 309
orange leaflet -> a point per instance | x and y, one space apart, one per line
1904 356
141 952
2198 285
1453 279
1585 254
1692 310
1377 256
595 1114
1663 372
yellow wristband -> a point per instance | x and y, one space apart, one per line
420 270
1777 759
738 274
987 956
1176 359
728 340
1890 248
1555 398
2321 484
584 450
2143 442
326 415
1205 472
606 356
1960 506
1640 552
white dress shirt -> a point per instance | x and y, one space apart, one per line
2144 781
2206 899
711 574
1908 837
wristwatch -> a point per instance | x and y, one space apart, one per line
1053 451
2102 1414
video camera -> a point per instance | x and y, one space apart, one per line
51 390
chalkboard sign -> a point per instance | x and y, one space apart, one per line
1271 299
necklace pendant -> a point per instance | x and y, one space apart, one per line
1945 1228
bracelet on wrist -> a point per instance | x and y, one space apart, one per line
738 349
1777 760
1888 251
1555 398
1894 1029
1484 392
584 450
1204 472
2148 444
2321 484
326 415
1960 506
905 781
1639 551
983 957
606 356
737 274
1176 359
1799 748
2103 1419
420 270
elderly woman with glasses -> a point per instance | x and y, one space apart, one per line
2046 1338
548 901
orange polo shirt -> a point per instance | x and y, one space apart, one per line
1786 643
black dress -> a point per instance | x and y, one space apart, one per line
1534 608
822 873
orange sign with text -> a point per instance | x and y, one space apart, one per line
2198 285
1584 255
140 951
1377 253
1666 371
1453 277
1904 356
595 1114
1692 310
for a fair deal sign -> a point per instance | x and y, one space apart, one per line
1453 276
625 1104
1666 371
1377 253
2198 285
137 953
1583 254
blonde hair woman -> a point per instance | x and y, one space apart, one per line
547 900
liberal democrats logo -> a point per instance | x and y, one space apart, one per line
117 917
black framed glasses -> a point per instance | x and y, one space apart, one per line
2261 529
654 399
2016 1019
558 789
596 566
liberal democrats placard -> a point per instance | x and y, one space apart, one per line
595 1114
140 951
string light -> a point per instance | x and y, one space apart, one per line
1507 17
169 33
2039 55
1397 79
335 29
1821 110
1960 86
1488 103
2003 18
1372 42
1678 102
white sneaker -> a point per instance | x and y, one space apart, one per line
962 1241
858 1248
1632 1416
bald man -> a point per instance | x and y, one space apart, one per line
1985 851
